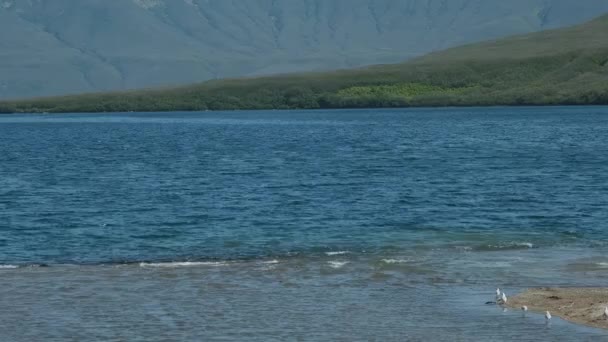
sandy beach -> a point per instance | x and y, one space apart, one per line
578 305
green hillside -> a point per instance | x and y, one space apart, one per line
563 66
59 47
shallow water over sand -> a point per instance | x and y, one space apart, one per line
338 225
439 297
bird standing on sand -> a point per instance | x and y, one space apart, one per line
606 312
503 298
524 308
497 293
548 316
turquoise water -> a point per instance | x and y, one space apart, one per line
311 225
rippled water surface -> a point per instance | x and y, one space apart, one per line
316 225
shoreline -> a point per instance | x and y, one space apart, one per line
291 110
579 305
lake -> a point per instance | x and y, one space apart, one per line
385 225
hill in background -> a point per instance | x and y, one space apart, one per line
562 66
55 47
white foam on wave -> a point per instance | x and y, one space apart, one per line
8 267
487 264
395 261
337 264
511 245
336 253
270 262
269 265
602 264
184 264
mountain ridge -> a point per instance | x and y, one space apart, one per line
57 47
562 66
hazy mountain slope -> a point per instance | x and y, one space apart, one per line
59 46
561 66
587 36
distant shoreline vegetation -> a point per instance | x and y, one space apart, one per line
557 67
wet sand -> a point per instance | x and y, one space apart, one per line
578 305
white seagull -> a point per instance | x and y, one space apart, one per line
524 308
503 298
497 293
606 312
548 316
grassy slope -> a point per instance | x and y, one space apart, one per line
565 66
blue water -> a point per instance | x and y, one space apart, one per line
357 208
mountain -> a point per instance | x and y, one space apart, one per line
561 66
54 47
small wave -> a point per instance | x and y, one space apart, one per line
336 253
395 261
270 262
512 245
8 267
183 264
337 264
505 246
602 264
269 265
